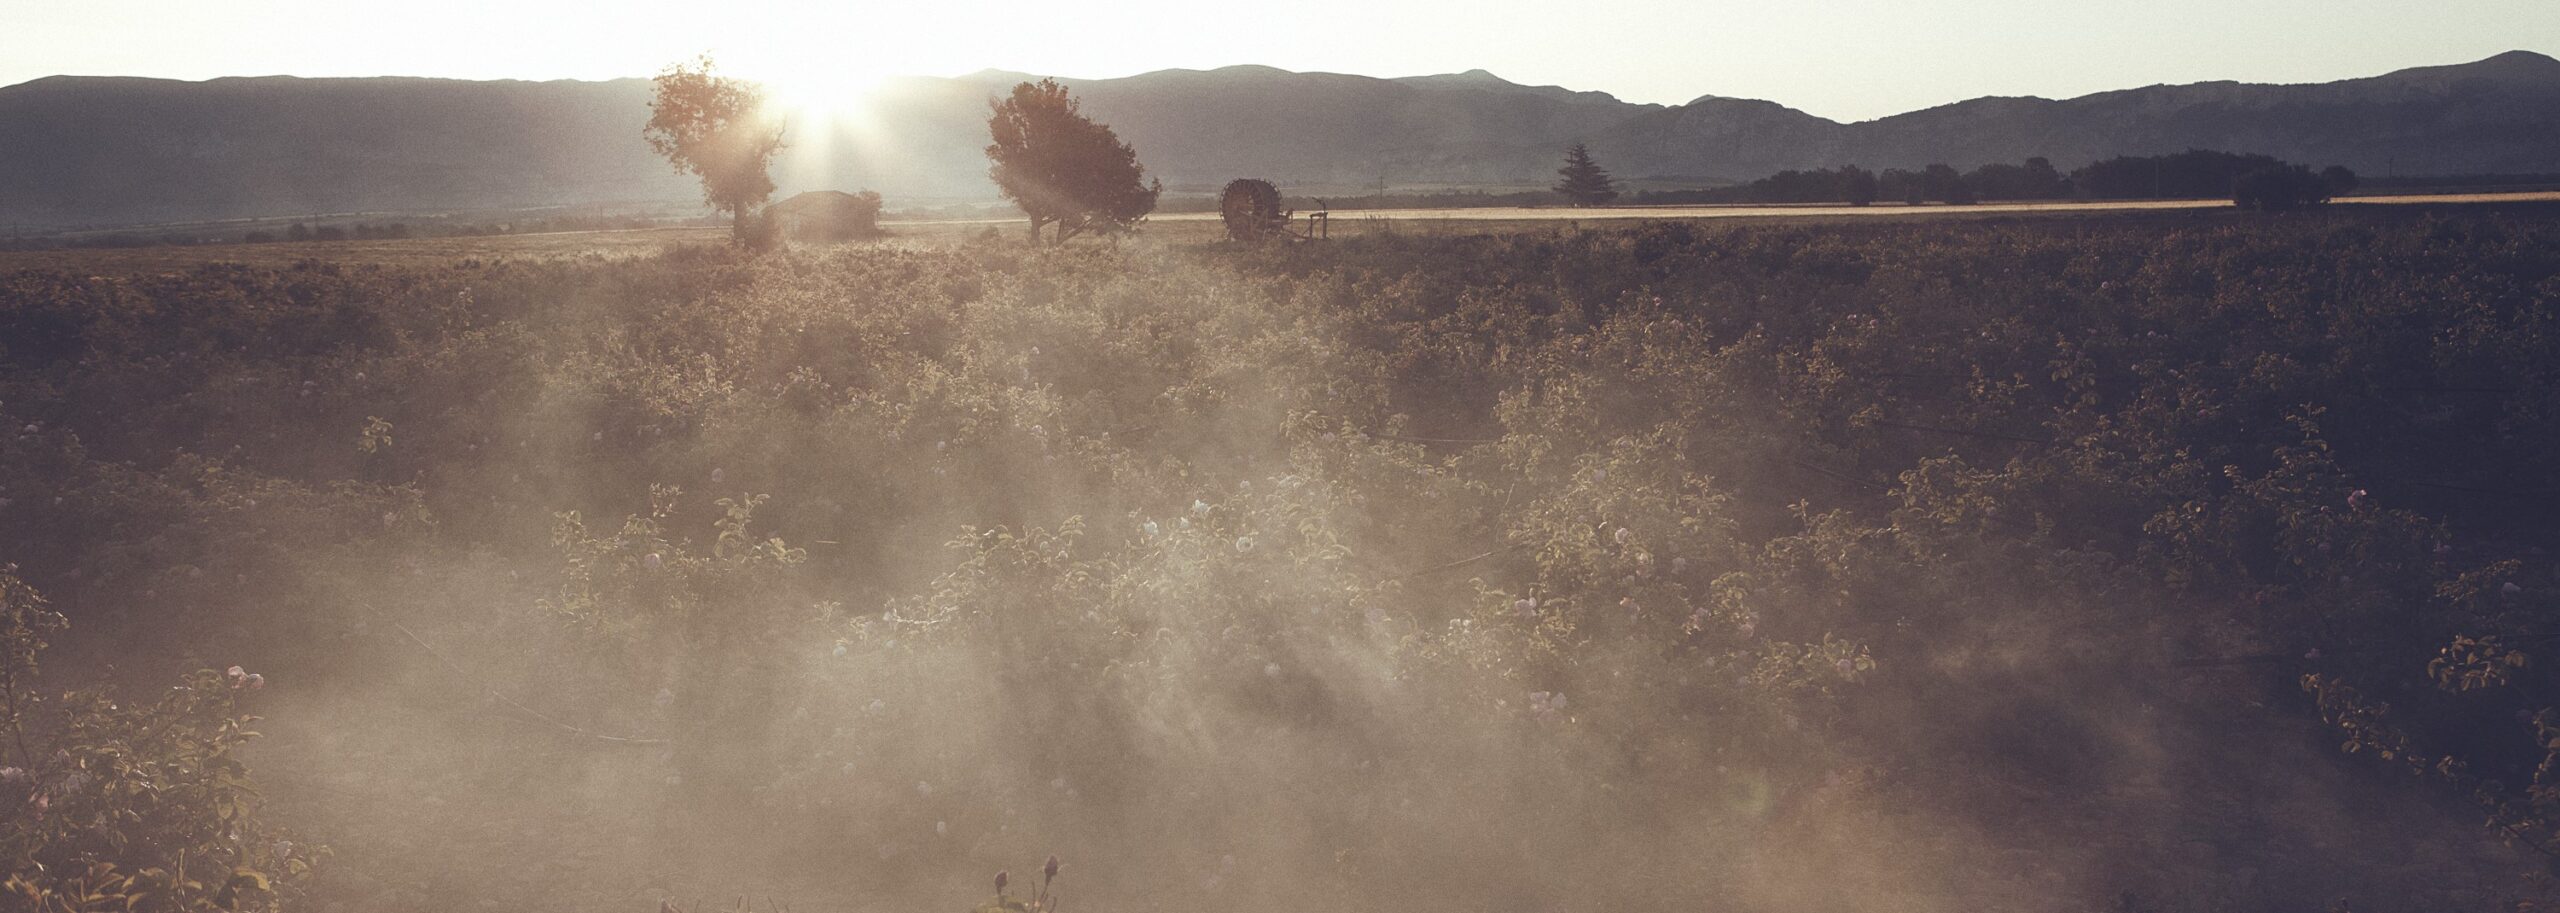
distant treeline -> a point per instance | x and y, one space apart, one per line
361 231
1444 199
2458 183
2265 180
357 231
1432 200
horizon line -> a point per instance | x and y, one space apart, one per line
1255 66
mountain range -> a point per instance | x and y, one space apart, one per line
123 150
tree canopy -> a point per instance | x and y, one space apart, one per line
1585 183
2281 188
1061 167
717 128
2195 173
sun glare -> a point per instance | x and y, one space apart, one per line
807 71
816 99
830 97
828 110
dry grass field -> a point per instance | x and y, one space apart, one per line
1175 228
1980 560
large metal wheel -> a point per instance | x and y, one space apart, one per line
1251 208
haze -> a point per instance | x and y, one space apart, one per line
1848 60
1211 483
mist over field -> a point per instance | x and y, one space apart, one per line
1985 565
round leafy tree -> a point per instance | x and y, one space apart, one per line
1061 167
716 127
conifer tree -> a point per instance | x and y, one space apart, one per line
1584 182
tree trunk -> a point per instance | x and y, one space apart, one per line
738 225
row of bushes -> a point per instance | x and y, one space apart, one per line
2253 181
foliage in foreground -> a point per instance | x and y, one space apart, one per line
134 806
1796 566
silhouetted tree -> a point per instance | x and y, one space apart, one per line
1792 186
1848 183
717 128
2193 174
1585 183
1857 185
2340 180
297 232
1060 166
2034 180
1897 184
2045 179
2279 189
1943 183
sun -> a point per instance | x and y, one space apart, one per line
812 72
827 109
829 97
820 92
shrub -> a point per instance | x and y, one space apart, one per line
131 805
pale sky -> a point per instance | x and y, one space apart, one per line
1843 59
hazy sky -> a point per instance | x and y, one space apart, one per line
1845 59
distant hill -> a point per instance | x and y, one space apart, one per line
102 150
97 149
